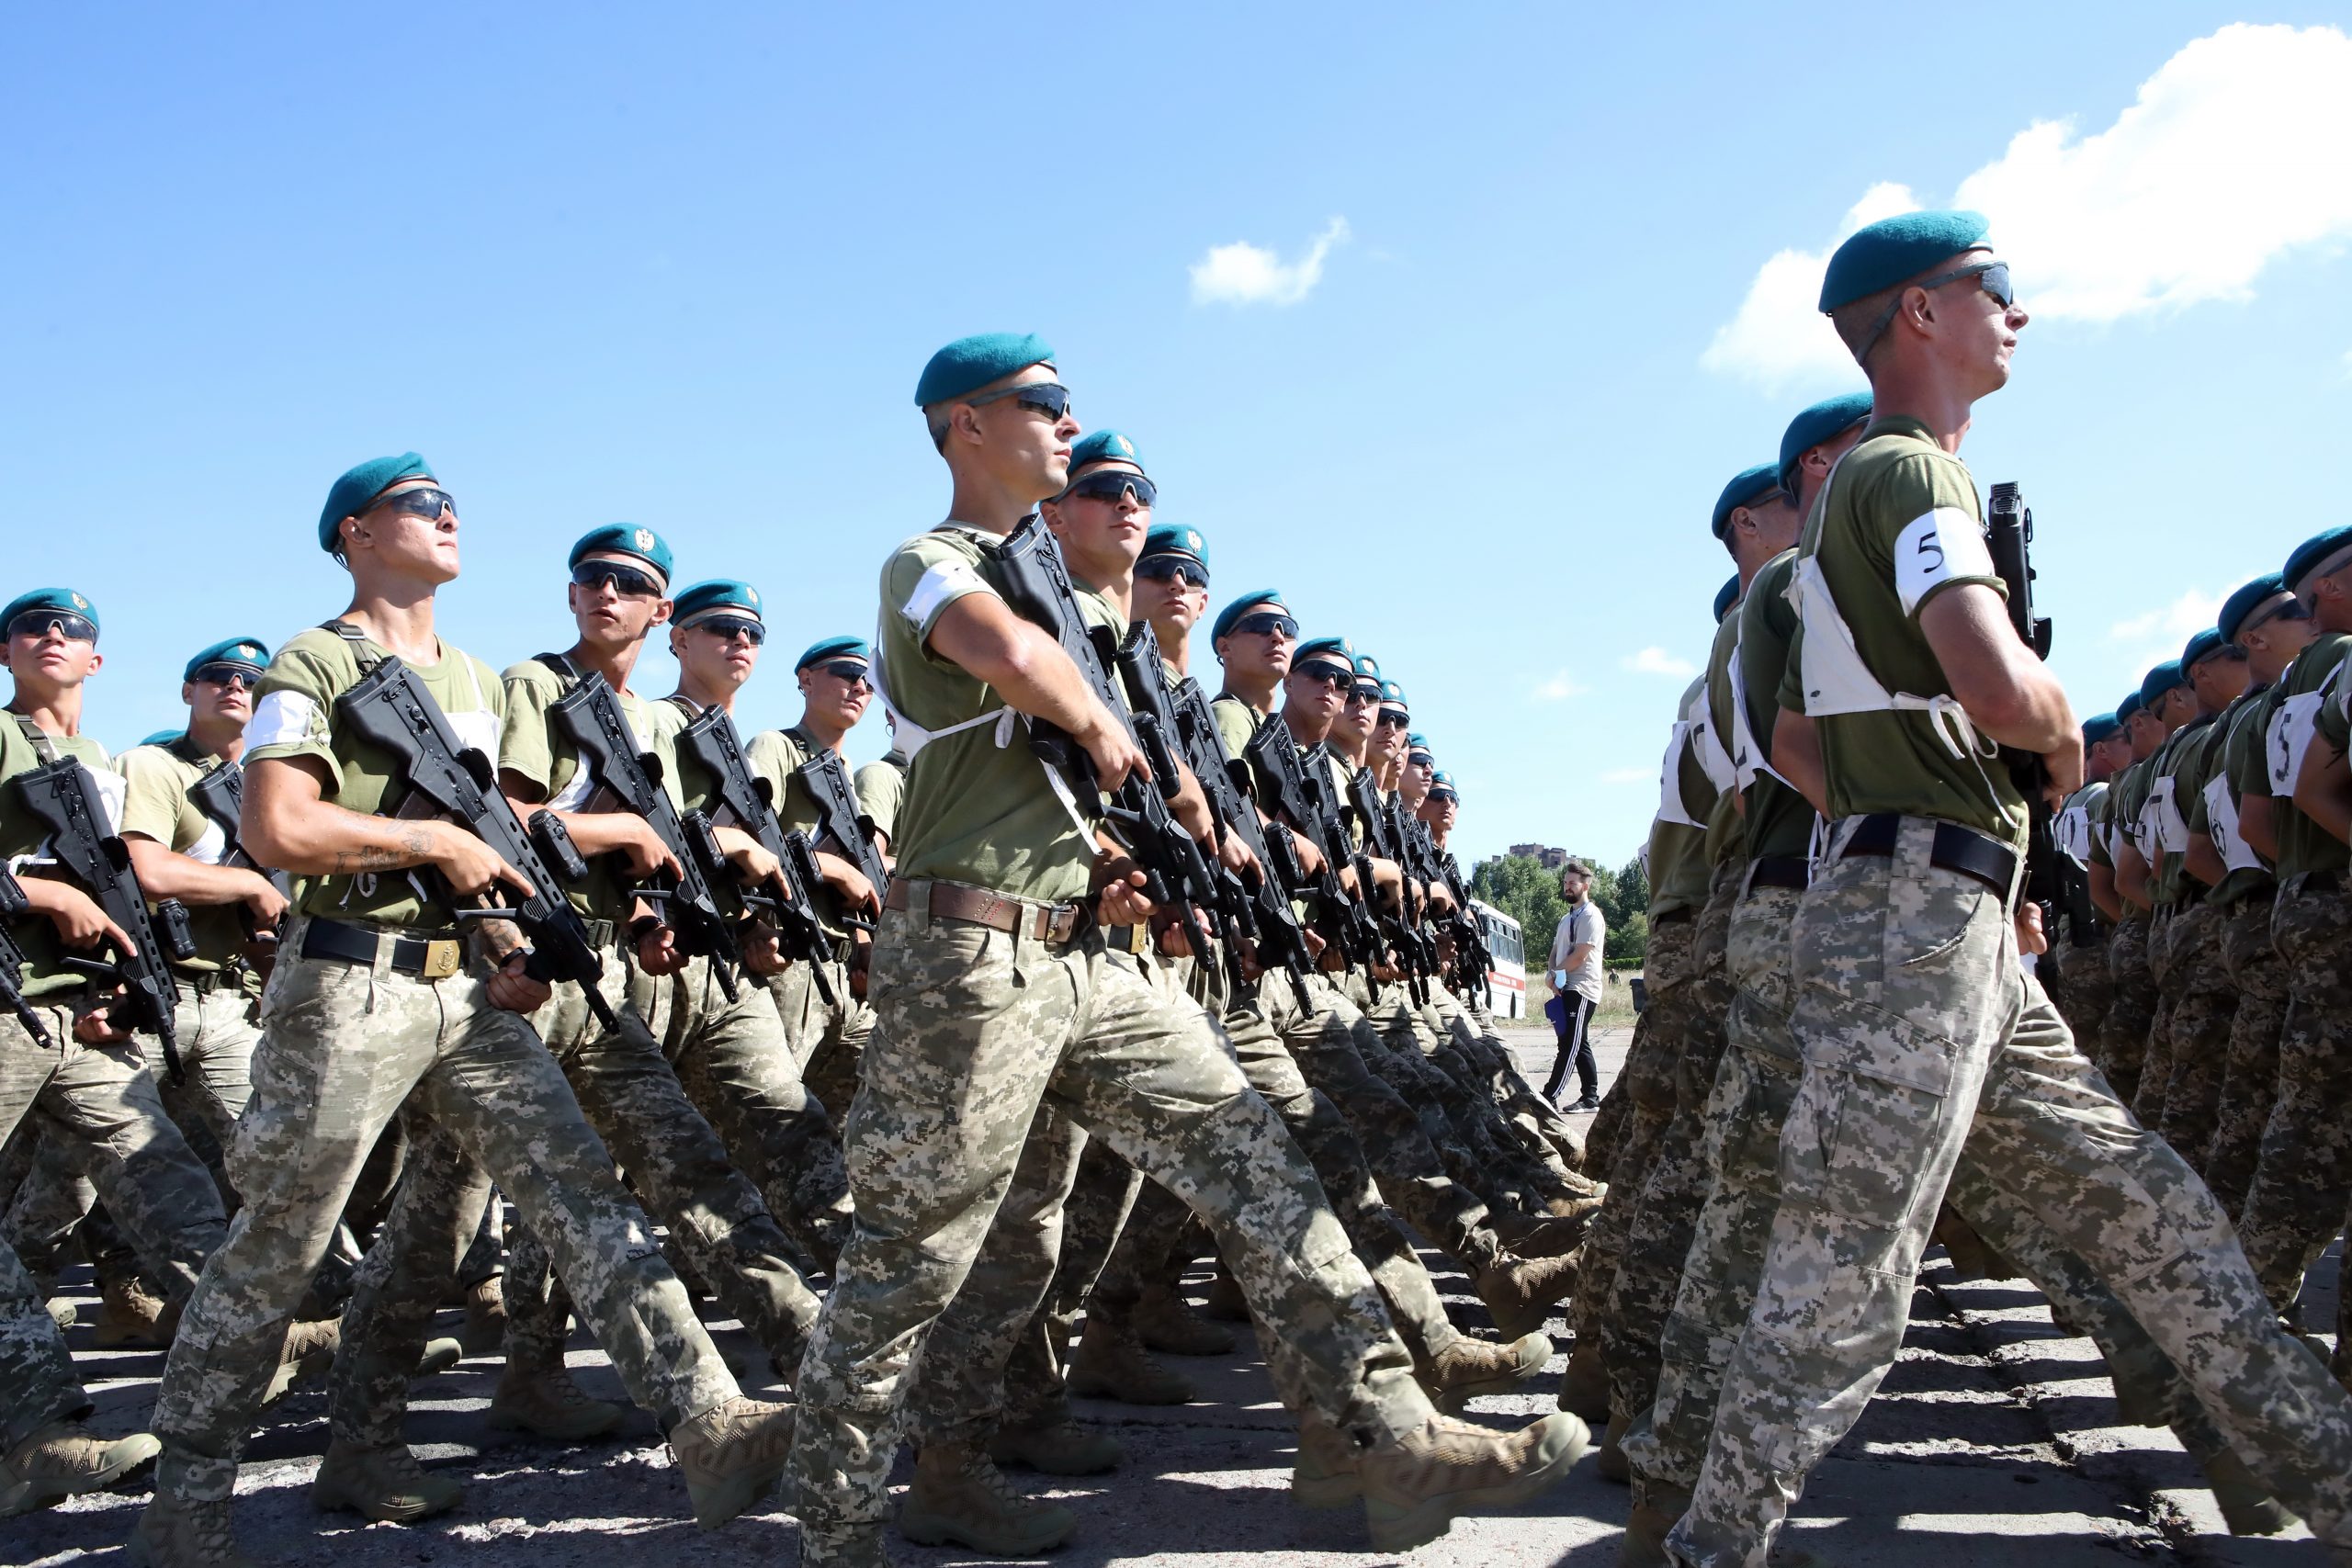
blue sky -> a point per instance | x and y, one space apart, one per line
682 269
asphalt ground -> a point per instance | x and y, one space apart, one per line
1993 1440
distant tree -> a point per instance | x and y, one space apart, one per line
1528 891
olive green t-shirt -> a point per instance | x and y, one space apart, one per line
24 846
1237 721
2177 779
774 755
1898 523
537 747
2303 844
881 787
155 806
975 811
2126 795
1727 835
2237 751
294 716
1780 820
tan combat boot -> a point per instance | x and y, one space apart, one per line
1584 1387
2246 1505
176 1532
64 1312
1469 1367
546 1403
1166 1323
1057 1447
64 1459
1609 1462
1323 1475
130 1313
1655 1509
306 1355
960 1497
1521 1292
485 1328
1414 1487
384 1485
1554 1235
1113 1364
731 1455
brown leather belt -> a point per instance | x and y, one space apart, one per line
1045 922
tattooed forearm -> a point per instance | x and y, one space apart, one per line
414 848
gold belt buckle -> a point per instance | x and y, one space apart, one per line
443 958
1139 938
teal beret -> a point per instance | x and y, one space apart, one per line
970 363
1392 695
1749 484
1886 253
1416 744
1825 420
1442 783
248 651
160 738
2246 601
1102 446
349 496
1269 599
625 539
2313 557
720 595
63 600
1367 667
2159 681
2100 727
2204 645
834 647
2128 706
1174 539
1726 596
1336 647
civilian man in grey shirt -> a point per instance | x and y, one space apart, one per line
1575 987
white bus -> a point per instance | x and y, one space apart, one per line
1508 974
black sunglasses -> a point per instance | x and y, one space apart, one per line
1332 675
627 580
1394 718
1159 568
1446 795
428 504
1268 623
41 623
220 673
1992 276
727 628
1110 484
1364 693
849 670
1048 397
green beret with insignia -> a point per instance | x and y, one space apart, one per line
1267 599
1104 447
2202 647
1747 487
2317 557
2159 681
1892 250
1333 649
1824 421
350 495
2268 592
834 647
245 652
50 601
625 539
718 596
968 364
2100 727
1726 597
2127 708
1172 540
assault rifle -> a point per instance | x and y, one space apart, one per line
1036 581
389 708
2050 881
59 794
839 818
220 797
13 907
1301 800
1386 836
713 745
590 714
1248 909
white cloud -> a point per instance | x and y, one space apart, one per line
1657 662
2176 622
1628 775
2237 151
1559 688
1244 274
